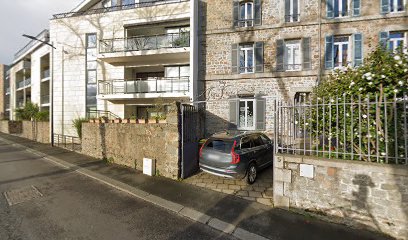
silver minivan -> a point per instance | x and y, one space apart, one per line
236 155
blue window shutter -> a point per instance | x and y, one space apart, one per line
287 11
259 57
358 49
356 7
307 59
329 53
280 55
235 13
233 114
258 12
234 58
329 8
385 6
384 39
260 113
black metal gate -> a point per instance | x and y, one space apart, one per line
189 137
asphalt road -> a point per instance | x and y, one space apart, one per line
73 206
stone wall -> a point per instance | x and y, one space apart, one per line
36 131
11 127
360 194
127 144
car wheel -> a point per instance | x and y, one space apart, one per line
251 174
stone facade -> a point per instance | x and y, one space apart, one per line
127 144
218 34
36 131
369 195
11 127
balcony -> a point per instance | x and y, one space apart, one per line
45 99
22 65
20 85
144 4
169 46
7 106
7 91
28 82
146 88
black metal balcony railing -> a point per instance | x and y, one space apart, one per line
28 82
153 85
20 84
173 40
117 8
95 114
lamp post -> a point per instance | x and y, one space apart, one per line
51 82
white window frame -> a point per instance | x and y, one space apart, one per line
248 20
291 45
246 48
394 6
340 53
246 127
404 40
293 13
340 2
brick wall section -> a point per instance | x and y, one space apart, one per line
127 144
36 131
359 194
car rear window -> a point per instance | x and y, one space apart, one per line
220 146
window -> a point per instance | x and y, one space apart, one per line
91 40
258 141
247 113
293 58
396 40
91 70
341 51
246 14
293 55
302 98
341 8
128 2
396 5
246 58
291 10
246 143
220 146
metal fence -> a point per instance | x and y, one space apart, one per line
68 142
367 128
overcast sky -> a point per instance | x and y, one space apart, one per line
26 16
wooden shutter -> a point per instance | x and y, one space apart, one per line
383 39
358 49
356 7
280 55
385 6
235 13
234 58
307 60
295 10
287 10
233 114
259 57
260 113
329 8
258 12
329 53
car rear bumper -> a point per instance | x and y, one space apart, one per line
228 173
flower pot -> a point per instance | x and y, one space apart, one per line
117 120
127 120
152 121
132 121
162 121
92 120
141 121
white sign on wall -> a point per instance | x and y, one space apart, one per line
307 170
149 167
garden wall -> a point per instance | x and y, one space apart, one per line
11 127
127 144
369 195
36 131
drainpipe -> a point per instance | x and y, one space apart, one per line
319 77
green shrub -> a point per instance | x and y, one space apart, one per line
77 124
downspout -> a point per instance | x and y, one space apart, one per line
319 77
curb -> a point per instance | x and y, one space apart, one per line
180 210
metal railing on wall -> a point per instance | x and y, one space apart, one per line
365 128
68 142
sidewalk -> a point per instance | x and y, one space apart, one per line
245 219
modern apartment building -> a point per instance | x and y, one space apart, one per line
29 75
258 51
122 57
4 92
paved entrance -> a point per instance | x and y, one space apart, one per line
261 191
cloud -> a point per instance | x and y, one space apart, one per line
29 17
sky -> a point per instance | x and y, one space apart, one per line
30 17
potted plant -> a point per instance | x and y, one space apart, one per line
152 120
133 119
117 120
161 118
141 121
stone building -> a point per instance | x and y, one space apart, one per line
122 58
29 76
257 51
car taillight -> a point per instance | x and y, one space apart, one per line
235 157
201 150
